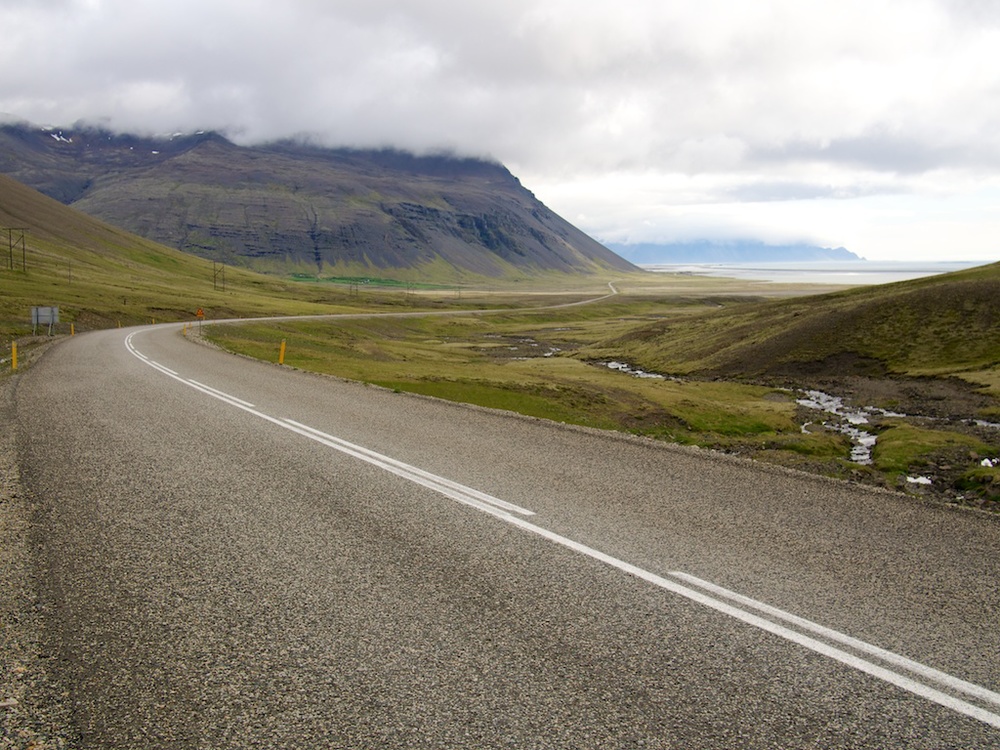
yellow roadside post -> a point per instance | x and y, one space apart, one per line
13 355
281 353
72 329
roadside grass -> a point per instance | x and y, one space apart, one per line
982 483
522 361
552 363
906 448
559 403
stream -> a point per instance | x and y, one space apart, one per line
849 420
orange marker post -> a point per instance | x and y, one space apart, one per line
281 353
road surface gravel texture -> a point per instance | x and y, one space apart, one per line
237 555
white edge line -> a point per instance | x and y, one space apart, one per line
412 472
447 487
221 394
856 662
928 673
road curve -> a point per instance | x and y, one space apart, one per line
242 555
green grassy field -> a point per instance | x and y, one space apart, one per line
719 391
513 361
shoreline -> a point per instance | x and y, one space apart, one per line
846 273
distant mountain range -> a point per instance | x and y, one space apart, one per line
293 207
730 251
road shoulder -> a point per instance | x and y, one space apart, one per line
32 710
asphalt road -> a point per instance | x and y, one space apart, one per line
242 555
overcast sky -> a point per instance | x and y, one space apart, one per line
868 124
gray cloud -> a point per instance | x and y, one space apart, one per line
747 100
885 153
541 82
780 191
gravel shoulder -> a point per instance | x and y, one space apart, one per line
33 711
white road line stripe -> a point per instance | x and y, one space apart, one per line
221 394
923 671
894 678
445 486
505 511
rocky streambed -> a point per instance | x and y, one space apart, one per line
840 405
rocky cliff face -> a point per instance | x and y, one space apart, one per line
294 207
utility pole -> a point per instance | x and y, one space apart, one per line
12 244
218 275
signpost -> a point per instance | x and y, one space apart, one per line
41 316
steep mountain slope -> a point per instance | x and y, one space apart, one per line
293 207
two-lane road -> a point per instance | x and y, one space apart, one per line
241 555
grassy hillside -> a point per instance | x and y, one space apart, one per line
936 326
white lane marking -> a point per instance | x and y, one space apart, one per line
927 673
856 662
221 394
445 486
161 368
495 508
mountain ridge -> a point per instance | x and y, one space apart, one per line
289 206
